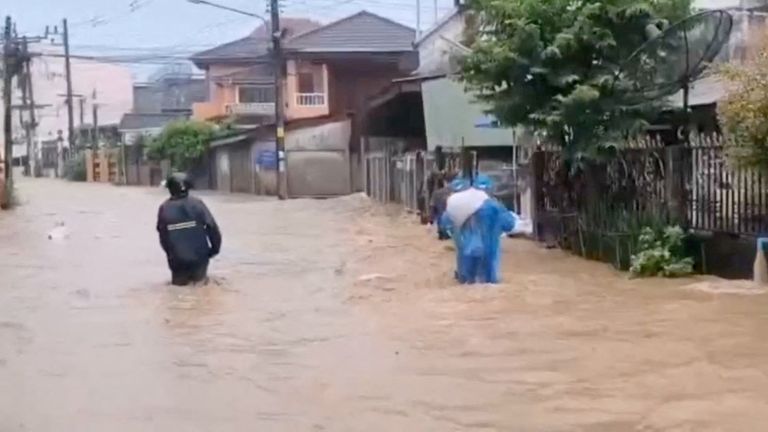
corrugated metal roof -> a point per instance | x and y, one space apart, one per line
361 32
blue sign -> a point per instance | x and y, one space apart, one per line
267 159
487 121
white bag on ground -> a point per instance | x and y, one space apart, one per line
462 205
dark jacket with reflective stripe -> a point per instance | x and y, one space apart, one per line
188 232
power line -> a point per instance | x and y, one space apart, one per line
148 59
173 48
98 20
333 4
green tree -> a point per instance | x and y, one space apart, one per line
744 111
550 66
183 143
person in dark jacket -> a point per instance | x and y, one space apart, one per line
188 232
439 201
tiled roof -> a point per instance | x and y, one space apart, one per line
361 32
253 46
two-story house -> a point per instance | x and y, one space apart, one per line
240 76
331 71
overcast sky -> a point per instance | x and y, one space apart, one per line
177 27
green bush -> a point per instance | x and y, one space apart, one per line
183 143
75 170
661 253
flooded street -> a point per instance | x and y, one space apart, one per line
340 316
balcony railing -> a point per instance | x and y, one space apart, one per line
251 108
310 99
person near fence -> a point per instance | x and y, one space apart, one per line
438 202
189 234
476 222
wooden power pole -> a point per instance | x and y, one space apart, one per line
95 115
81 103
27 101
8 67
279 65
70 108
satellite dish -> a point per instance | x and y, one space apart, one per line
674 57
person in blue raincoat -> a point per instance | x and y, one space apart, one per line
478 239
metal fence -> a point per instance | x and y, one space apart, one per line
722 198
404 178
392 177
645 184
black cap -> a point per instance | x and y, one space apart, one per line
178 185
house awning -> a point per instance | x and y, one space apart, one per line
419 78
235 137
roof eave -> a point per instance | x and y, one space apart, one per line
457 10
347 50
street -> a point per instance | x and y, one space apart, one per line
338 315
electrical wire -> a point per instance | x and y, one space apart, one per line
98 20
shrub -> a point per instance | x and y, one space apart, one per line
744 109
182 142
661 254
75 170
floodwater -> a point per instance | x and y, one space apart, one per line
340 316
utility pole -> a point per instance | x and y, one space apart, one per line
279 67
81 102
70 108
24 83
418 19
95 114
7 76
32 115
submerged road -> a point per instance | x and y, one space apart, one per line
338 315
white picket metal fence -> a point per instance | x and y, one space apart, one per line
397 178
401 178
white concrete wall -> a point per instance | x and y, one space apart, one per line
434 50
317 160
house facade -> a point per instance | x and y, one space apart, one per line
400 155
331 71
240 76
452 117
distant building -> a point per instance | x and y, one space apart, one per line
105 86
167 96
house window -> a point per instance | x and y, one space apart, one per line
255 94
307 83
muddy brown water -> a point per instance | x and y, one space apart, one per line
339 315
